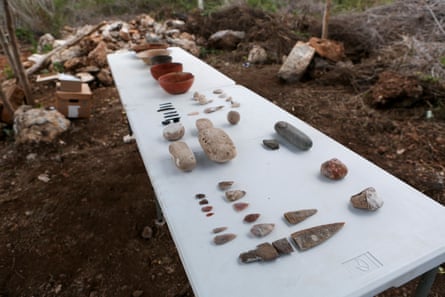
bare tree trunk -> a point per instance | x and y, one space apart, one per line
23 79
327 9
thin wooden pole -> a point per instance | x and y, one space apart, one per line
327 9
23 79
7 49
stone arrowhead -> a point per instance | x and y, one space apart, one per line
295 217
308 238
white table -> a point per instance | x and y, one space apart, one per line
373 252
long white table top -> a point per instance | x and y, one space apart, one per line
374 250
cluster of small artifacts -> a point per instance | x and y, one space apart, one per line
219 147
303 239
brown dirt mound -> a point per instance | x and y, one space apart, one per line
276 33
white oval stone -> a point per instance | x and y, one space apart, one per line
174 131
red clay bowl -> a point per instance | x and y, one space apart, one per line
161 69
176 82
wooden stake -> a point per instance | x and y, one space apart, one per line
20 74
327 9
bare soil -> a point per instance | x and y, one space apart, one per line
79 232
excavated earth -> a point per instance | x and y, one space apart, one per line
73 212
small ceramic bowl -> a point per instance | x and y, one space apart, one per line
176 82
148 54
161 69
161 59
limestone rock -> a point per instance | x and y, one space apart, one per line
226 39
297 62
74 63
188 45
99 55
217 145
182 155
46 42
104 76
67 54
257 55
34 125
173 131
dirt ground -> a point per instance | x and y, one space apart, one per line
78 232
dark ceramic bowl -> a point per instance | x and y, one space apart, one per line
148 54
161 69
176 82
147 46
161 59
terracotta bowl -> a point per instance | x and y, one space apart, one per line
161 59
148 54
176 82
161 69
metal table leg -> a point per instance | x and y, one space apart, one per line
426 282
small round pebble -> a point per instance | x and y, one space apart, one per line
334 169
233 117
147 232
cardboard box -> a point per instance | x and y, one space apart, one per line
69 83
75 104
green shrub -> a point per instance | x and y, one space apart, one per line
8 72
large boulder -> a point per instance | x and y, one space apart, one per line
35 125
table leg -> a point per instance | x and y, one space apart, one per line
129 129
159 216
426 282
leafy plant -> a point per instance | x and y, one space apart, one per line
58 67
47 48
8 72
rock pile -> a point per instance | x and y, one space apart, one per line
89 55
